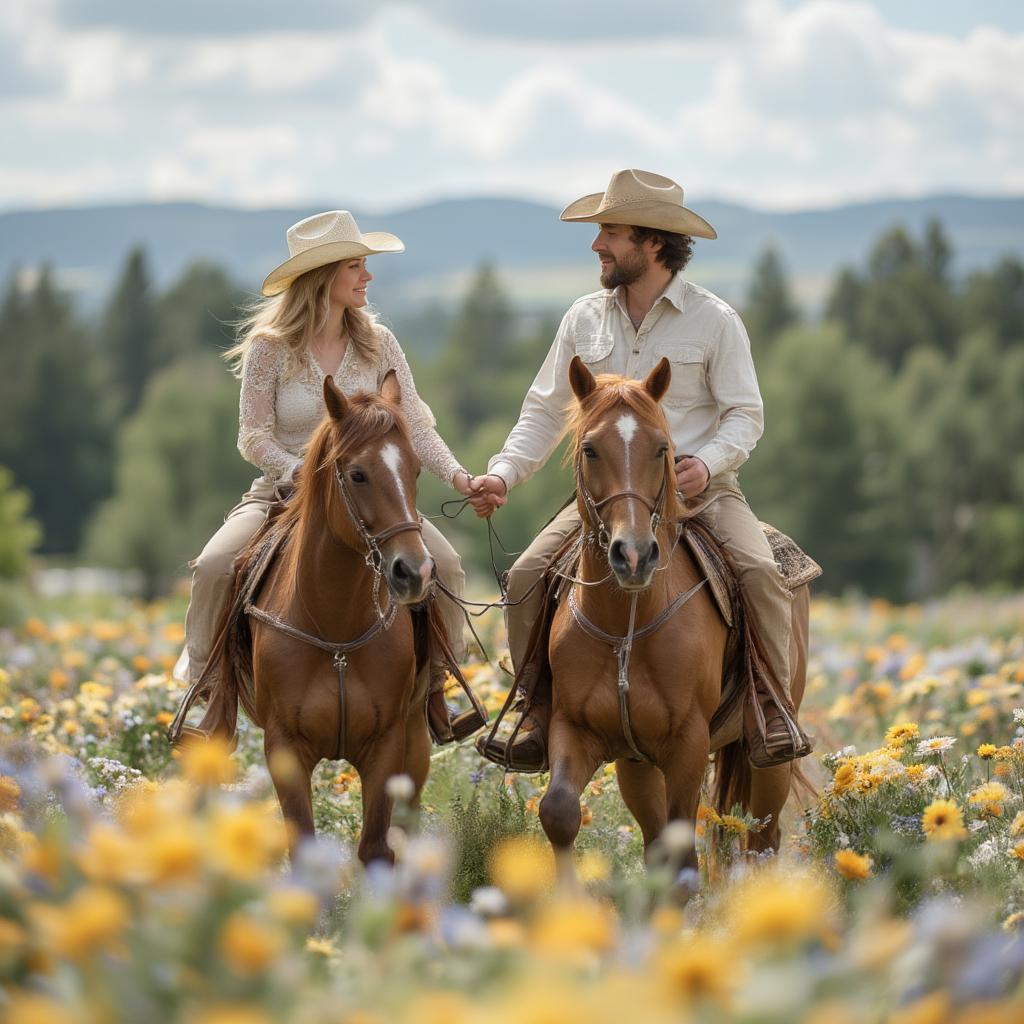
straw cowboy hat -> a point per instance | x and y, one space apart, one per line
642 199
326 238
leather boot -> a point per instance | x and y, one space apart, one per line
529 751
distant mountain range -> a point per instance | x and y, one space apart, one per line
544 263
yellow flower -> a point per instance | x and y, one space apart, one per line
59 679
232 1013
1017 825
36 629
208 762
902 732
915 772
697 967
522 867
930 1009
322 947
505 933
990 797
29 1008
174 633
10 793
853 866
942 819
109 856
439 1008
593 867
1018 851
733 824
572 926
987 751
297 908
248 945
246 840
173 854
845 778
778 908
92 920
1014 922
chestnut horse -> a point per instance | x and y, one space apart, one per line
673 669
354 560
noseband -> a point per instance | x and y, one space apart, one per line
598 529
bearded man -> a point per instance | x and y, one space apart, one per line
647 310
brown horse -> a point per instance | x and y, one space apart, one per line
627 501
354 560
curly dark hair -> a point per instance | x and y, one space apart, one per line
675 251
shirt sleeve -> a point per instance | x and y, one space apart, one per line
426 441
257 412
543 416
733 384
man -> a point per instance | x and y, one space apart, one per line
646 310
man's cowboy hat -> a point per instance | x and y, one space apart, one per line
643 199
326 238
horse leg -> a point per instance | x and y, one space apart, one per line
684 770
769 790
417 753
386 758
643 789
573 763
291 771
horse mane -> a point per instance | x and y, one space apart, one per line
611 392
369 416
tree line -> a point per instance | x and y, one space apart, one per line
893 449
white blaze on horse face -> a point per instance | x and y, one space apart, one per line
393 460
627 427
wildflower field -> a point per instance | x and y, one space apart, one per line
140 886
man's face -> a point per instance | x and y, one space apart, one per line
622 261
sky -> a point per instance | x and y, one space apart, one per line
381 104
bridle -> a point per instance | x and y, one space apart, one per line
597 529
374 559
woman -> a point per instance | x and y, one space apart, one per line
313 323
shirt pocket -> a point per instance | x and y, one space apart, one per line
689 377
592 348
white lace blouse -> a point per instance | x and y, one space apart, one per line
278 413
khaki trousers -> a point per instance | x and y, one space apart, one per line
214 575
733 523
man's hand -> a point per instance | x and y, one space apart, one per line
487 493
692 476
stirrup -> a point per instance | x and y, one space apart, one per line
528 755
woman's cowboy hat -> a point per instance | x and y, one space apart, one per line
326 238
643 199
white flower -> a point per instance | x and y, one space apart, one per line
678 836
1018 715
400 788
936 745
488 901
984 854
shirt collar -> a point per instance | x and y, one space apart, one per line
675 292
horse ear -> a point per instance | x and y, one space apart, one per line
391 389
581 379
659 379
334 399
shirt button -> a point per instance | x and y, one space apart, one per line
636 351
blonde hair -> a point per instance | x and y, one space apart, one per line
295 315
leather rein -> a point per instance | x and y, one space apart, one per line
622 646
374 559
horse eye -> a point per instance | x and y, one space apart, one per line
662 451
357 476
588 452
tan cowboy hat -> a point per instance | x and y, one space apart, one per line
326 238
641 198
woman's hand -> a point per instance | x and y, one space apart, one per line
463 483
488 493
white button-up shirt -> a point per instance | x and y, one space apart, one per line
713 404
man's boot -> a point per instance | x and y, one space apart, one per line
783 739
447 724
529 750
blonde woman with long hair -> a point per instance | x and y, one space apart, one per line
311 323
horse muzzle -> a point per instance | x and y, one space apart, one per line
409 578
633 561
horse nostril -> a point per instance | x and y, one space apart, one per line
616 554
654 554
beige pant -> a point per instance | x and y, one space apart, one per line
736 527
214 575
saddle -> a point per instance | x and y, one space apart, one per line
746 680
233 643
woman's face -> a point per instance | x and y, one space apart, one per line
348 289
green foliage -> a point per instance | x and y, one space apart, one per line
770 308
18 533
177 472
477 827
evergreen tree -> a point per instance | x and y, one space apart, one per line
843 305
128 334
994 301
770 308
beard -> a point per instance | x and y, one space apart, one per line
626 269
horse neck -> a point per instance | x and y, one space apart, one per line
333 586
607 606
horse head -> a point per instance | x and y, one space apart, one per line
625 481
368 472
